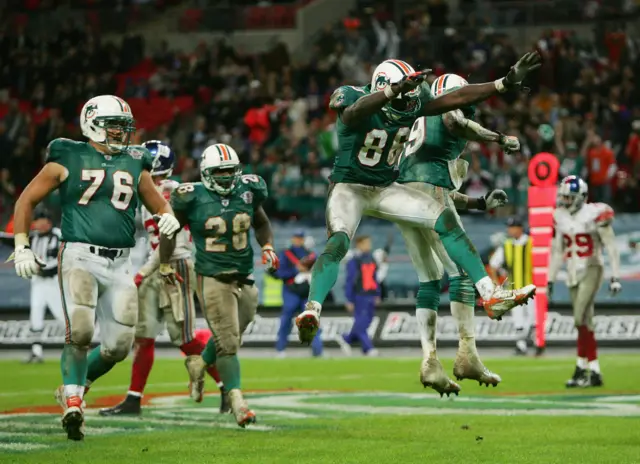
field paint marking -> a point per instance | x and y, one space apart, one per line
22 446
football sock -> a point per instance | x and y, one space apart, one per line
463 299
427 319
326 268
229 368
209 353
582 363
592 346
142 364
582 341
98 366
73 365
594 366
459 247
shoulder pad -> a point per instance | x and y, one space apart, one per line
345 96
58 149
257 186
139 152
182 195
604 214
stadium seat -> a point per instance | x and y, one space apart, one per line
190 20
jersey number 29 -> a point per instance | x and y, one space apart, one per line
122 187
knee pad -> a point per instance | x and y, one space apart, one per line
462 290
428 295
81 320
125 309
447 223
83 288
118 349
227 345
337 246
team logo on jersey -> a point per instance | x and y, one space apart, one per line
108 157
381 81
135 153
225 202
337 99
91 111
247 197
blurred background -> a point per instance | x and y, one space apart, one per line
258 76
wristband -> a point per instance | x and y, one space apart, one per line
499 83
21 240
482 204
389 93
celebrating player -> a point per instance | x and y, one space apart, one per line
101 183
431 163
373 125
220 211
581 231
158 302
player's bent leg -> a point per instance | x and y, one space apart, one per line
467 364
345 205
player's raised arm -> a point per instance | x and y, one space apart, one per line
48 179
471 94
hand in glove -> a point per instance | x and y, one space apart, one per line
27 264
269 258
518 72
509 143
169 275
494 199
614 286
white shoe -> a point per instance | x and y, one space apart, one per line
373 353
344 346
432 375
468 366
308 322
240 409
281 355
503 300
195 367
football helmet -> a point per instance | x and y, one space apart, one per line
107 120
163 158
572 193
391 72
446 83
220 168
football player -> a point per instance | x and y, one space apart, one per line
159 303
582 230
101 184
220 212
431 163
373 124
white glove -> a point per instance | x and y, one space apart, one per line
270 258
496 199
614 286
26 262
509 143
168 225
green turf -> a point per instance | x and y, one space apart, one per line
339 411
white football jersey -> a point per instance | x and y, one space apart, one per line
581 242
183 239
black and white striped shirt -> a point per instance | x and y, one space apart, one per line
45 246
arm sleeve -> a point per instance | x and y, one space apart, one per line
344 97
57 151
258 187
351 277
497 260
608 238
181 198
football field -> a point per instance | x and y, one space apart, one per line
343 410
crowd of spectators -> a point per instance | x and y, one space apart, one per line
584 105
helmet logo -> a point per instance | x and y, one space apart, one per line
90 112
381 81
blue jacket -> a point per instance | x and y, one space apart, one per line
288 260
362 277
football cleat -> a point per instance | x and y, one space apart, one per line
308 322
521 348
579 379
130 406
225 401
61 398
73 418
432 375
240 409
196 368
468 366
503 300
595 379
34 359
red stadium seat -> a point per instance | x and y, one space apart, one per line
191 19
256 17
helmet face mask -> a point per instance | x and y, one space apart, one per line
223 180
118 131
220 168
107 121
391 72
163 159
572 194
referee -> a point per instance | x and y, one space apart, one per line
515 257
45 292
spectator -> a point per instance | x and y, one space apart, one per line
601 167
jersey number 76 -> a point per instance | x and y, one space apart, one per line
122 187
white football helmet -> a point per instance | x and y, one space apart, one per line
391 72
446 83
220 168
108 120
572 193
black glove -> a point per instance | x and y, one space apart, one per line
519 71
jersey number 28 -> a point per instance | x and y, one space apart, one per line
371 152
122 187
240 225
